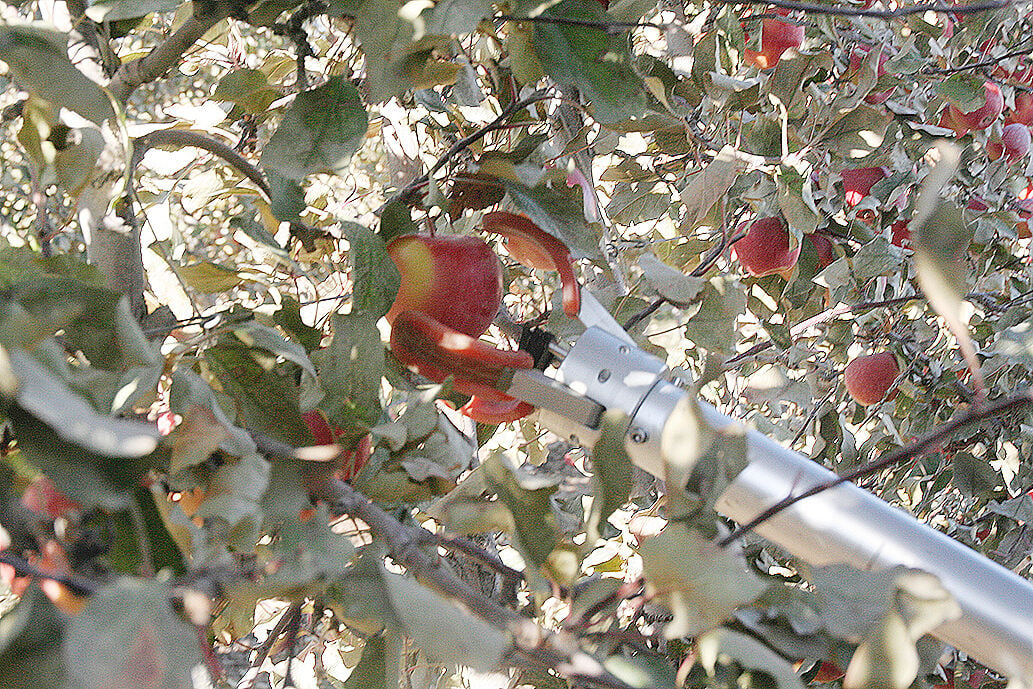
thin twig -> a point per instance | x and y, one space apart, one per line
972 415
187 137
978 65
461 144
822 317
704 265
164 56
902 11
607 26
76 584
532 645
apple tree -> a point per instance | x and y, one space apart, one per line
223 466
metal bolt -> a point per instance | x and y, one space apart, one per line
623 349
638 435
603 376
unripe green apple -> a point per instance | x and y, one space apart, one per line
454 280
869 377
765 248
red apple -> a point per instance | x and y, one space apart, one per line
1023 112
857 56
900 233
994 149
765 248
986 114
455 280
858 182
868 378
978 204
1016 140
350 462
822 244
776 37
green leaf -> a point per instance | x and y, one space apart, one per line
635 203
286 197
672 284
423 615
877 257
726 646
887 657
795 201
455 17
596 63
699 461
266 395
374 274
128 635
940 238
975 477
395 221
372 668
399 51
209 278
350 369
530 500
856 133
233 495
787 83
643 671
964 91
701 582
289 318
320 131
708 186
95 320
558 210
713 324
248 88
612 473
38 60
119 10
308 554
30 643
49 400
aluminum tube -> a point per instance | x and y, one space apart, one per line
849 525
843 525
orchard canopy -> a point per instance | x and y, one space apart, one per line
222 468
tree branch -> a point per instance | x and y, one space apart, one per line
902 11
76 584
972 415
458 146
187 137
822 317
532 645
162 57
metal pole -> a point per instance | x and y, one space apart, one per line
843 525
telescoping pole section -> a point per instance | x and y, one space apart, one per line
842 525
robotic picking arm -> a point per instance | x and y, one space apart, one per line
604 369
